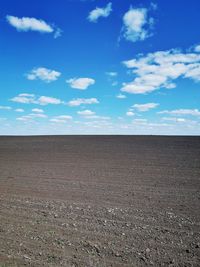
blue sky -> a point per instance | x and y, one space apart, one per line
99 67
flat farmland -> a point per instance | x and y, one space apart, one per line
100 201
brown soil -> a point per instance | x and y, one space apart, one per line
100 201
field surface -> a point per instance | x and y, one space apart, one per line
100 201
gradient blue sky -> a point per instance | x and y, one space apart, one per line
99 67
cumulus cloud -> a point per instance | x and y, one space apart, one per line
37 110
61 119
120 96
45 100
140 121
5 108
80 101
37 115
130 113
145 107
19 110
192 112
31 116
98 12
137 25
43 74
160 70
23 119
32 24
86 112
24 99
32 99
64 117
80 83
97 117
174 119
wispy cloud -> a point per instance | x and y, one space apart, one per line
26 24
80 101
120 96
137 25
20 110
43 74
112 73
80 83
5 107
98 12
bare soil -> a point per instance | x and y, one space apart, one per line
100 201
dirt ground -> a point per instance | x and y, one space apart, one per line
100 201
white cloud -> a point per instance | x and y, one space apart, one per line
114 83
31 99
136 24
174 119
45 100
197 48
22 119
160 69
27 95
145 107
130 113
29 24
80 83
43 74
120 96
31 116
19 110
80 101
37 110
112 74
98 12
64 117
24 98
86 112
5 107
192 112
61 119
154 6
37 115
57 33
32 24
104 118
140 121
57 120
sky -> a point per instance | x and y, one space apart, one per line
99 67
